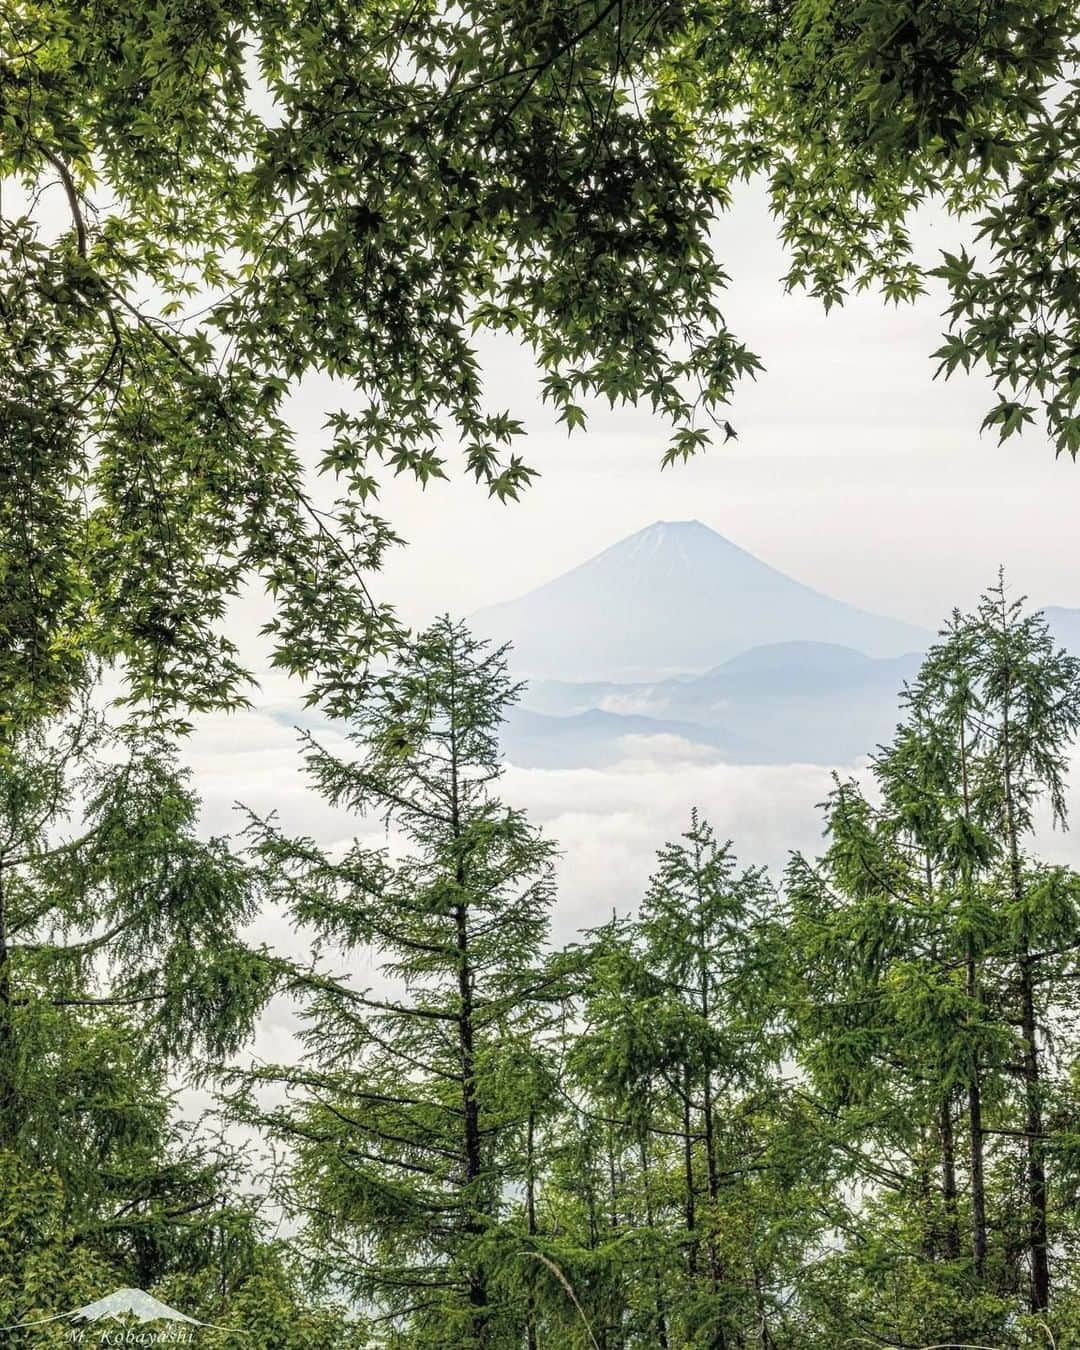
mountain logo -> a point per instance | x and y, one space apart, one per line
125 1305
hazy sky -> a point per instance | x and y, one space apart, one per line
853 471
608 823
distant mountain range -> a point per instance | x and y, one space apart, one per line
783 703
677 633
675 598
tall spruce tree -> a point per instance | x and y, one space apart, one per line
884 1032
410 1112
123 973
678 1058
700 930
935 980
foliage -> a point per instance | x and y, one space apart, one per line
409 1114
40 1271
110 899
120 961
227 1273
934 977
678 1087
733 1119
207 203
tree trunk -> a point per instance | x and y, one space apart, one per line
712 1177
975 1145
8 1048
1036 1167
661 1313
473 1160
1040 1258
475 1204
690 1206
531 1342
974 1085
613 1190
948 1180
764 1334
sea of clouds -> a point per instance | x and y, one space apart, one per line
608 823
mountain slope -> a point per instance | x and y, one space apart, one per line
675 597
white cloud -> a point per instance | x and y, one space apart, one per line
607 822
610 823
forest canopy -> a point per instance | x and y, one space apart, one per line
793 1111
204 202
801 1112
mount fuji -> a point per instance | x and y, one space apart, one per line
675 598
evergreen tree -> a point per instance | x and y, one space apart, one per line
187 1232
700 929
110 902
933 958
881 1025
678 1061
1027 717
120 962
410 1113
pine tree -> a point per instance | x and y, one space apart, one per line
122 974
411 1110
699 928
1026 717
678 1058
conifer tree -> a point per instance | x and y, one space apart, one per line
679 1058
410 1112
111 902
935 956
123 973
1025 718
699 929
882 1027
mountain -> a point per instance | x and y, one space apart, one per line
809 658
593 739
804 702
675 597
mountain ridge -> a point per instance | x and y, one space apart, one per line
675 597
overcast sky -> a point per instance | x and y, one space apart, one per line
854 471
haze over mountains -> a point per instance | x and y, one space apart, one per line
675 598
800 702
677 633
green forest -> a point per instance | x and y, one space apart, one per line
831 1107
